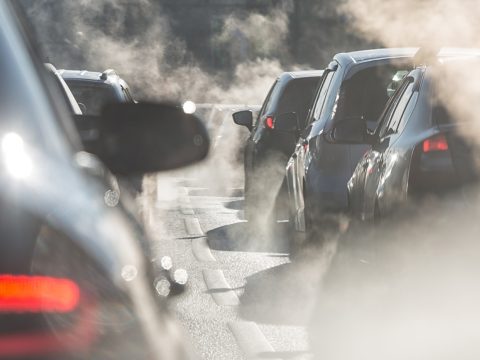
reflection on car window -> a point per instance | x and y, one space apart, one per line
94 97
267 102
396 109
319 103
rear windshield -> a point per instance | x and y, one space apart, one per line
93 96
298 97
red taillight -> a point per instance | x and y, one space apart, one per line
37 294
269 122
436 143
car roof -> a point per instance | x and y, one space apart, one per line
303 74
81 75
363 56
372 55
107 77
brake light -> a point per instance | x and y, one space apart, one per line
37 294
269 122
436 143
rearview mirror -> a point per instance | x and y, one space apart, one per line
350 131
134 139
243 118
287 122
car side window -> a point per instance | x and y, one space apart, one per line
396 108
266 103
320 100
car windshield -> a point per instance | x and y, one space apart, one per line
160 228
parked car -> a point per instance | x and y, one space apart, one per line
416 150
74 282
93 90
356 86
270 144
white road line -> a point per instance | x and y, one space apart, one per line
192 225
251 340
201 250
219 288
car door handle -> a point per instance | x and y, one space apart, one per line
365 165
381 166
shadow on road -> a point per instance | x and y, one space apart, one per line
283 355
238 237
234 205
283 294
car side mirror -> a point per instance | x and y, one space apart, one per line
287 122
134 139
350 131
243 118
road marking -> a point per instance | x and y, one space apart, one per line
192 225
219 288
201 250
251 340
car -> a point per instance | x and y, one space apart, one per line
270 145
93 90
74 282
355 85
417 149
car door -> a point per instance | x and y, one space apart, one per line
296 165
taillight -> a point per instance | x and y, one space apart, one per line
269 122
436 143
37 294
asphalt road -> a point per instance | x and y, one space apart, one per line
245 299
241 302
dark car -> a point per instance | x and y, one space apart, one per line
271 144
355 86
93 90
74 282
416 150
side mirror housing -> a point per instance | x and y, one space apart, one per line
135 139
243 118
350 131
287 122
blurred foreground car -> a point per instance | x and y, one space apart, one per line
272 141
417 149
355 86
74 282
